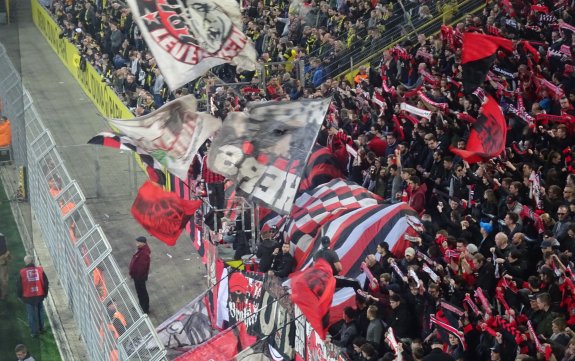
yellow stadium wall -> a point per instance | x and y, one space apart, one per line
99 92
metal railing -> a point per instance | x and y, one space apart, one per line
79 248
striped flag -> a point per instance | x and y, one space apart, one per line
154 169
315 208
357 233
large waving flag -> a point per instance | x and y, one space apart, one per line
312 292
357 233
488 134
162 213
318 206
153 168
478 55
189 37
172 134
265 149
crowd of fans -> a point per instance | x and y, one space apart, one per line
323 36
506 226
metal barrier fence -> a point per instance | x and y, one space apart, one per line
351 59
94 285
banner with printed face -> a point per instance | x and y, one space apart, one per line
245 298
265 149
172 134
188 37
188 328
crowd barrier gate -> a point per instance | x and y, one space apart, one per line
79 248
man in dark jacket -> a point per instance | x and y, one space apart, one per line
348 331
437 353
283 262
266 250
417 200
399 318
139 269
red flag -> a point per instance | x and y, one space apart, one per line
477 57
312 291
487 138
162 213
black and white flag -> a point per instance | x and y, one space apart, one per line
265 149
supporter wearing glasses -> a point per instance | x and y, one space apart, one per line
563 223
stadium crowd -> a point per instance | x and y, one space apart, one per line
490 276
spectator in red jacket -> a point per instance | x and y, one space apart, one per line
139 270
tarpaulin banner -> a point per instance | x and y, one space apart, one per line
275 320
245 298
309 346
188 328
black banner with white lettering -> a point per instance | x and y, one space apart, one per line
265 149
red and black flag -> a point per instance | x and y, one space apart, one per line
488 134
479 52
320 205
312 292
153 168
162 213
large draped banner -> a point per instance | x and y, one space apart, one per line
188 328
265 149
189 37
172 134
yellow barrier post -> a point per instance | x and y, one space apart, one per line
7 2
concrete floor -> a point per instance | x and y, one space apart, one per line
177 275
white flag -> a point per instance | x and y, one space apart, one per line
172 134
188 37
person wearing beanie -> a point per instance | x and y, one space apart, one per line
139 270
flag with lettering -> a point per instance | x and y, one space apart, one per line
478 55
488 134
264 150
171 134
189 37
312 292
153 167
162 213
